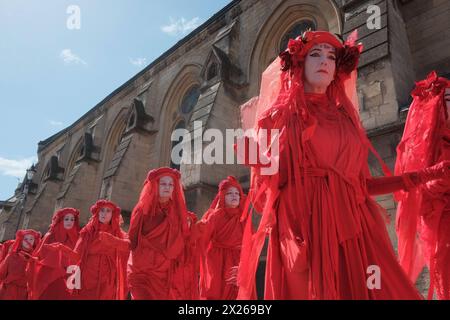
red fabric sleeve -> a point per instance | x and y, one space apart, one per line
386 185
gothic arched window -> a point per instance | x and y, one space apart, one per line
297 29
190 100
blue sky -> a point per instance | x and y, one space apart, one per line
51 75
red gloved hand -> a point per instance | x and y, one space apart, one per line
438 171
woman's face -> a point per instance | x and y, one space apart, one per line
28 242
166 187
232 197
447 104
320 67
69 221
105 215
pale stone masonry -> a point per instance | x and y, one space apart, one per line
205 77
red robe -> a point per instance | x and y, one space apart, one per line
326 232
423 223
158 234
5 248
13 275
103 250
223 238
55 255
186 273
221 243
153 262
435 225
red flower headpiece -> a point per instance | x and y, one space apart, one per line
163 172
61 213
95 209
431 86
347 53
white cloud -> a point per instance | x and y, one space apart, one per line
181 26
15 168
56 123
138 62
71 58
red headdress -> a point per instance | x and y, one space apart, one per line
20 235
149 200
281 97
57 232
219 200
420 148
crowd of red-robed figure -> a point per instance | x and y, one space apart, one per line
325 229
159 259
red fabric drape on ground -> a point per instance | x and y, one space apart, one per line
423 213
13 276
221 243
325 229
103 250
158 234
49 271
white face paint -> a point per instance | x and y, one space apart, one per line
69 221
166 187
232 197
320 67
105 215
28 241
447 104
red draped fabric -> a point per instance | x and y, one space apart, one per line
221 243
103 250
186 271
49 270
13 275
423 214
5 248
158 234
326 232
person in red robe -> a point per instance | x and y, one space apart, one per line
5 248
328 239
49 272
159 231
103 249
221 240
423 214
13 276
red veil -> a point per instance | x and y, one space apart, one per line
223 230
149 279
91 232
149 199
420 148
54 255
281 96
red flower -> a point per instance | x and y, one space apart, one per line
347 59
295 46
431 86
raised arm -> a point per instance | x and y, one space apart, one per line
408 181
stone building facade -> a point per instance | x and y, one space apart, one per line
205 77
